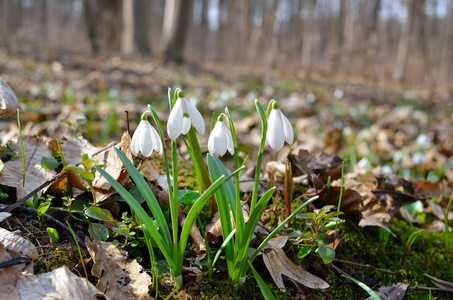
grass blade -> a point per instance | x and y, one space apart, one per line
267 294
365 287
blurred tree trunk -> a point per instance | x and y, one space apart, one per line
221 30
204 30
446 47
127 33
370 63
246 20
424 44
339 28
89 11
308 37
348 34
177 18
141 25
42 28
5 9
273 30
403 46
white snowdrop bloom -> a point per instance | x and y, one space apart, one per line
220 139
146 140
182 116
364 163
423 140
338 94
419 158
279 129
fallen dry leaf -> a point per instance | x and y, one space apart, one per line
357 201
4 216
8 278
8 100
119 277
113 166
58 284
18 245
393 292
35 149
317 165
279 264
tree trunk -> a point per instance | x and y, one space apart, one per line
308 37
127 33
142 26
348 33
403 46
177 17
89 11
446 52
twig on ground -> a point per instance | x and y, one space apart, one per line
49 218
363 266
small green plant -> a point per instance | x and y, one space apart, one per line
79 250
319 221
53 234
87 173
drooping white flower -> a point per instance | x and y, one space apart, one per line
146 140
181 116
220 139
279 129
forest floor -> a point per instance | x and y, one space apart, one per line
396 145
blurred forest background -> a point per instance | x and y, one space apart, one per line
382 41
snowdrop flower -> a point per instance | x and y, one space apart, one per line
220 139
419 158
181 117
279 129
146 139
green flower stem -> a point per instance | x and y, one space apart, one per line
174 199
259 108
162 138
199 164
21 147
236 166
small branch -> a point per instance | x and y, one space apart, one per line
49 218
363 266
434 289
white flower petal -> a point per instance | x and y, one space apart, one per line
137 137
230 142
195 116
185 125
157 142
287 129
175 120
275 134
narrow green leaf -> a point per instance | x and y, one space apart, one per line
99 214
267 294
148 195
48 163
160 242
1 165
365 287
412 238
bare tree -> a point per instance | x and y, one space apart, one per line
89 11
127 35
142 26
308 37
177 17
403 46
446 46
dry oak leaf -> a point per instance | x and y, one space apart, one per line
214 229
16 244
58 284
279 264
392 292
119 276
8 100
35 149
357 201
